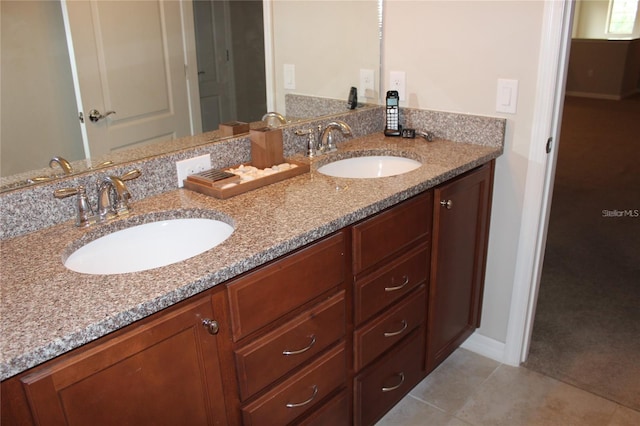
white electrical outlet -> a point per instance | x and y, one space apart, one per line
192 166
397 82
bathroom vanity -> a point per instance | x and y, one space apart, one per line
331 300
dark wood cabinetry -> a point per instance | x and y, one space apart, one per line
336 332
289 322
391 253
460 233
164 371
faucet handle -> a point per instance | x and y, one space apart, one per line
85 215
311 144
130 175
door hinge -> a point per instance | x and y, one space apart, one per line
548 147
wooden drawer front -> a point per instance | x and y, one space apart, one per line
264 361
333 413
384 234
382 333
380 289
302 392
383 385
273 291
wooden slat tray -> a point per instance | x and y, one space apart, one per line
216 189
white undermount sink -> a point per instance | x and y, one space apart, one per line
373 166
148 246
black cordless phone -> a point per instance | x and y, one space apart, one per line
393 127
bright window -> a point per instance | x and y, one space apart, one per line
622 16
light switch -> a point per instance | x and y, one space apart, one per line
289 76
507 96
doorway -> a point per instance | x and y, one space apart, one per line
587 318
230 52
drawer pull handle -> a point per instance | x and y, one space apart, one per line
405 282
299 351
301 404
395 333
392 388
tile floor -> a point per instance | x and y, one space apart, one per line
469 389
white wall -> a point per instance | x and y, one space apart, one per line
329 42
453 52
39 115
591 20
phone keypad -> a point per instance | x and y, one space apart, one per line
392 118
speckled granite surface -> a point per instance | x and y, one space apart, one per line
47 310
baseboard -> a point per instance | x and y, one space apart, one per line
603 95
485 346
591 95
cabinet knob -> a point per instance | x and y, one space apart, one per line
211 326
447 203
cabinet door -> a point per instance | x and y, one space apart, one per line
164 372
460 230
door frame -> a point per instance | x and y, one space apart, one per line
555 46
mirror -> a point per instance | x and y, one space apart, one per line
43 115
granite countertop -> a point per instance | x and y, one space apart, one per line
47 310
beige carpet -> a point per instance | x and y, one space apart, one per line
587 325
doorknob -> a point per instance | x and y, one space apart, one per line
95 115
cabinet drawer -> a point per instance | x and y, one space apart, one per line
382 333
388 284
266 359
392 230
334 413
383 385
301 392
275 290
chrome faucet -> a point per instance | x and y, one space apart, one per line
113 199
268 117
326 142
64 165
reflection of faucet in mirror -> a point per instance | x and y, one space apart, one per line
272 116
326 143
64 165
62 130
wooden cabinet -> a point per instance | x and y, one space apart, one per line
290 345
460 231
334 333
289 323
164 371
272 291
381 386
391 259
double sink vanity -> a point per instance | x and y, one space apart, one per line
325 300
